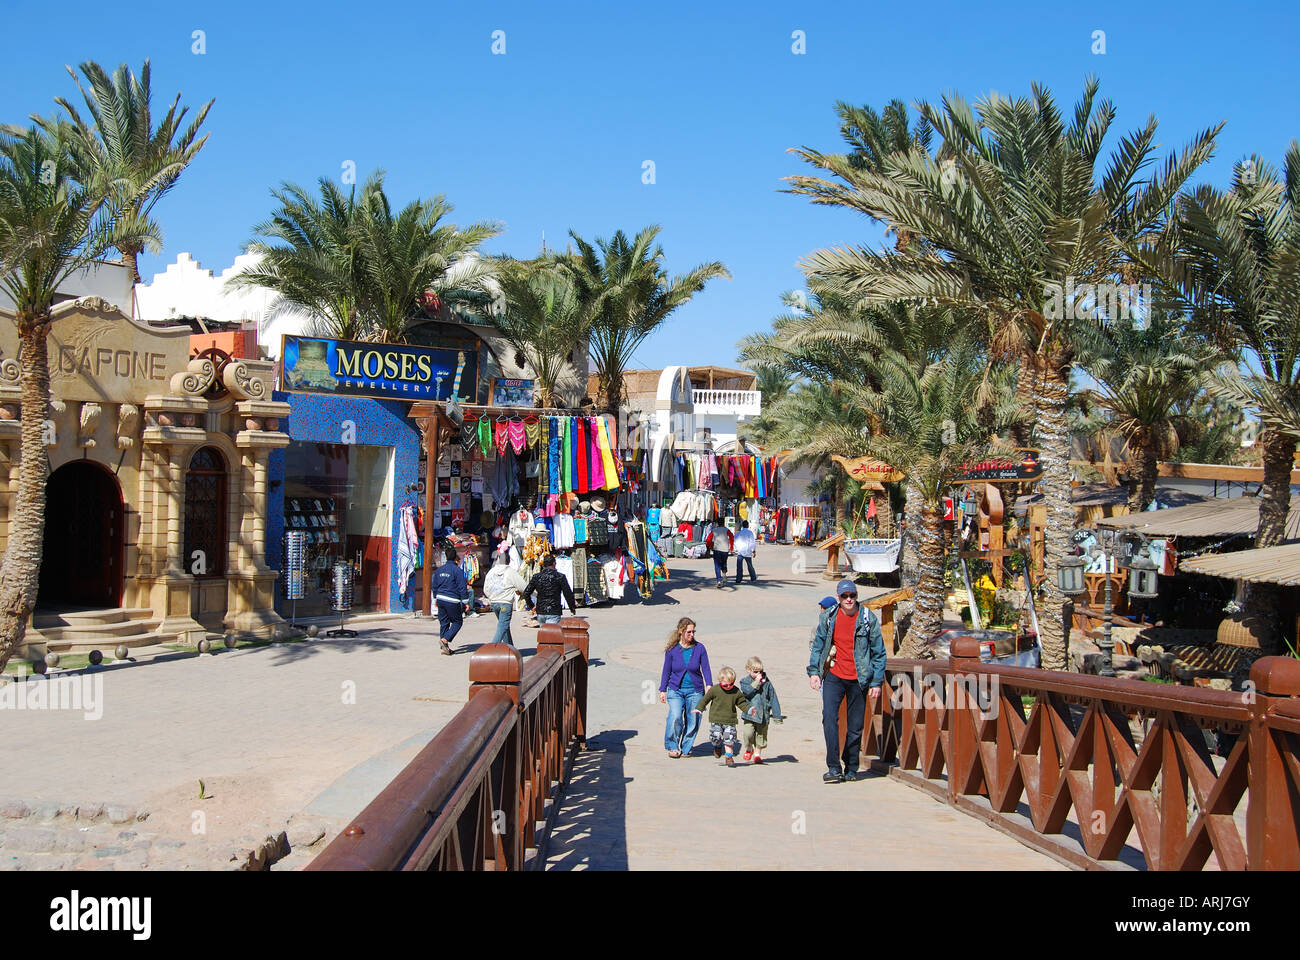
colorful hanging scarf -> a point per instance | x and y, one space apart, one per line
580 450
555 454
543 449
566 454
515 430
501 438
533 431
485 435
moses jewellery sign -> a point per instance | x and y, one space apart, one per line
394 371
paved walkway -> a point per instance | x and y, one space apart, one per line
299 737
631 807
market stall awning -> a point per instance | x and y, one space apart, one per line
1270 565
1214 518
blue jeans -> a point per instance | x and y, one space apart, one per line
740 568
720 564
504 612
835 691
683 724
547 618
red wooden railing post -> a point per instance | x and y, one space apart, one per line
576 633
1272 840
498 666
963 656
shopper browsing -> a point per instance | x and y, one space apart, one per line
500 587
720 541
454 597
746 546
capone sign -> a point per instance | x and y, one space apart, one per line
392 370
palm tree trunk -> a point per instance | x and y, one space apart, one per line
20 572
1050 397
1146 468
837 492
1275 492
927 612
912 516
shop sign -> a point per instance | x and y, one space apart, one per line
395 371
987 471
513 393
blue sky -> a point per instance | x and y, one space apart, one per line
553 134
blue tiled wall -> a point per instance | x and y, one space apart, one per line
316 418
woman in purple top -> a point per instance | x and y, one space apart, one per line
686 678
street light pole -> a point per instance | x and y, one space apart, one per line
1107 668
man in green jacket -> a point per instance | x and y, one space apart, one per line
847 663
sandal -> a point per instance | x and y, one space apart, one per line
758 759
747 754
674 753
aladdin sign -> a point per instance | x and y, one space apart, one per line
395 371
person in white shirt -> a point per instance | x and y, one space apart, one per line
500 586
746 546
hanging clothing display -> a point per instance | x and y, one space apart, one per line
408 547
563 537
515 431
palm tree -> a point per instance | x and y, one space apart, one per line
630 296
310 256
542 318
119 138
410 254
1013 214
1234 259
1146 372
359 270
931 427
51 226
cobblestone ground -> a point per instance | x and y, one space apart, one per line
291 741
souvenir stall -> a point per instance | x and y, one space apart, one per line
541 482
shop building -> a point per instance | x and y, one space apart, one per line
158 448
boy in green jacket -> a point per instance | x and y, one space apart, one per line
724 700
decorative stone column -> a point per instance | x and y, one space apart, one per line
250 607
169 433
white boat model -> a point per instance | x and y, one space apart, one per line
871 555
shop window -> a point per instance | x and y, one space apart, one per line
205 514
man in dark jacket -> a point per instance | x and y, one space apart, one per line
452 593
549 585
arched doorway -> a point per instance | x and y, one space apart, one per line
205 515
83 556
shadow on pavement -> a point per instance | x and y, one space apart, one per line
590 830
376 638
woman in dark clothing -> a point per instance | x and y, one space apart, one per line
686 678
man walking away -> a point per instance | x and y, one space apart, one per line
746 546
500 587
847 661
452 592
720 540
549 585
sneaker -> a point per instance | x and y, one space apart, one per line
674 753
851 775
747 754
832 776
758 759
731 761
717 752
719 584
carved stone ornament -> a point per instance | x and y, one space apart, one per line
128 417
239 380
89 420
199 375
9 411
9 370
58 407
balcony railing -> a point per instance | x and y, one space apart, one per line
740 402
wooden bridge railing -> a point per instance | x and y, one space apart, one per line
1126 756
473 798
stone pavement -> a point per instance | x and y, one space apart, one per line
629 806
296 738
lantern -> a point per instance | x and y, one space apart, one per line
1143 580
1069 575
1124 550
